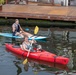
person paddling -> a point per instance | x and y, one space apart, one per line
27 44
17 30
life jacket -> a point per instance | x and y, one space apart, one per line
17 27
28 46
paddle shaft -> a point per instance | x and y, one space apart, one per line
29 51
35 32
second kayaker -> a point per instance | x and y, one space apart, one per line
17 30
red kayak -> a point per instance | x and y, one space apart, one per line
40 55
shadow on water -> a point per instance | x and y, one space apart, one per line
62 43
19 70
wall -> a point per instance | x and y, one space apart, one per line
73 2
65 2
59 1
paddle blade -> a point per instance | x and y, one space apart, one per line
25 61
36 30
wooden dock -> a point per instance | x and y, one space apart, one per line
39 12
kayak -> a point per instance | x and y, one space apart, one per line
32 37
40 62
40 55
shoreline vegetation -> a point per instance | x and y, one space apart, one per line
41 23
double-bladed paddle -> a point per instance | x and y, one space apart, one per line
35 32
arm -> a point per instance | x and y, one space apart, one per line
21 28
13 28
33 41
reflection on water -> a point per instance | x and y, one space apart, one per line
60 42
19 70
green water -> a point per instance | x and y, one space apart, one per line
56 43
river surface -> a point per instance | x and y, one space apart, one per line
61 42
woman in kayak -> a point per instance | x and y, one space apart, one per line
27 44
17 30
